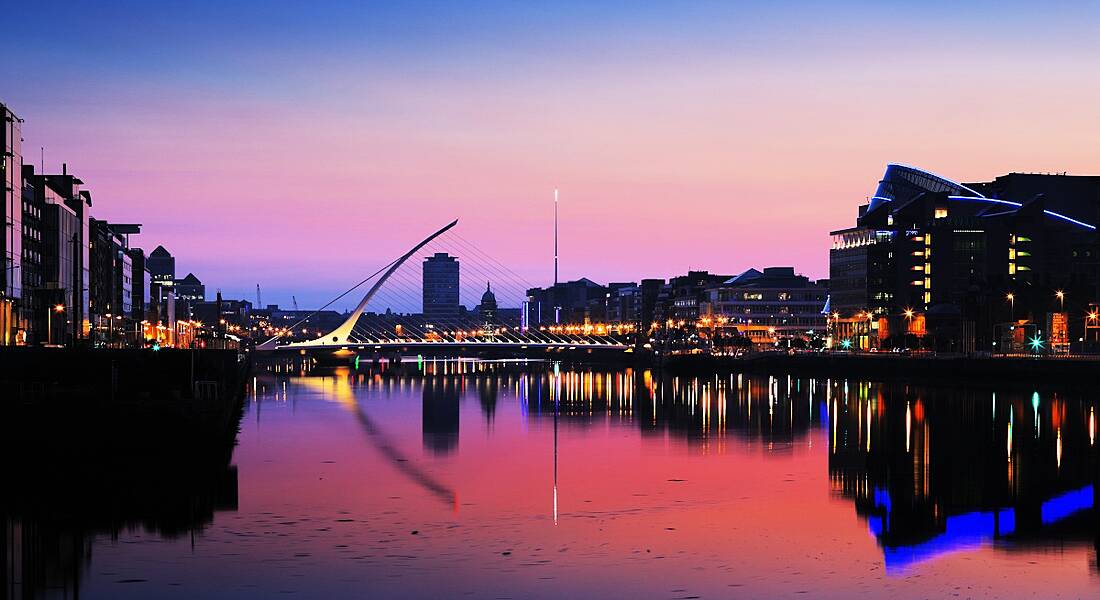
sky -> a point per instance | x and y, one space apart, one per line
299 146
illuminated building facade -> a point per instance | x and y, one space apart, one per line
767 305
680 298
12 319
964 257
65 254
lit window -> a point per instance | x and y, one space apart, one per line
940 213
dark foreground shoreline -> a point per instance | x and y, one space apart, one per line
120 399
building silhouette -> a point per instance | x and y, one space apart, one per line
487 310
162 267
441 285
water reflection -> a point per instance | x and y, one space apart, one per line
935 471
931 470
440 414
60 498
350 486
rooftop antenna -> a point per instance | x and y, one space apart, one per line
555 236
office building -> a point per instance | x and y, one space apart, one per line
566 303
440 288
767 305
678 300
140 287
12 316
65 255
948 261
189 291
162 266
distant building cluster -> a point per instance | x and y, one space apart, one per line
70 278
698 311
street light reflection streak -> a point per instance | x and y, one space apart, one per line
556 390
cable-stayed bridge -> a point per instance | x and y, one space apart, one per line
389 318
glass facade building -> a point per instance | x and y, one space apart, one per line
11 209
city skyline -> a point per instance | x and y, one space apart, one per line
758 123
586 299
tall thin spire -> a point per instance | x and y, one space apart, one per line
555 236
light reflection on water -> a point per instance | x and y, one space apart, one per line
503 482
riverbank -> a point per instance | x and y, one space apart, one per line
892 367
121 399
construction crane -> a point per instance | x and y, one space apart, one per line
295 301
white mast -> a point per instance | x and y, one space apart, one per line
555 236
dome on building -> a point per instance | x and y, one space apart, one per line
488 306
488 298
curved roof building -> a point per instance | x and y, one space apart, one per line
1068 200
925 241
904 183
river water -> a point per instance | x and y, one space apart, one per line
496 480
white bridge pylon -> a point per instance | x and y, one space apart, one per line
341 335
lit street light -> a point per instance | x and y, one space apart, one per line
59 308
1012 305
908 325
1061 300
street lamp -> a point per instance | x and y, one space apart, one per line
57 308
1011 305
908 325
1061 300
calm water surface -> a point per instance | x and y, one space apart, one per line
508 483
